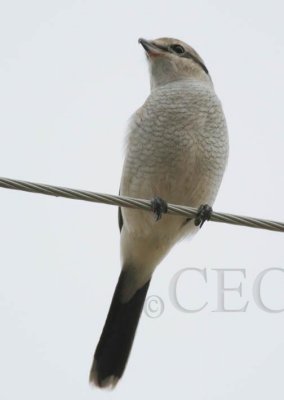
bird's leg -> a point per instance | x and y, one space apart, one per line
159 207
203 214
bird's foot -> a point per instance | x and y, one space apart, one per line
159 207
203 214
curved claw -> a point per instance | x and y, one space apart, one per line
203 214
159 207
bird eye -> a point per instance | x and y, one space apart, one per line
177 48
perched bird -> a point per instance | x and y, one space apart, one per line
177 150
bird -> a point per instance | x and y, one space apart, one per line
176 152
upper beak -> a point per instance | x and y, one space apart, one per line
151 48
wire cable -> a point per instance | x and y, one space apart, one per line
123 201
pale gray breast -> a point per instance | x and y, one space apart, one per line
177 145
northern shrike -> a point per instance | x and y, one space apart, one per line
177 150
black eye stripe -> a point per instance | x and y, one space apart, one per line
189 55
177 48
186 55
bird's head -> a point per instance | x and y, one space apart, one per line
173 60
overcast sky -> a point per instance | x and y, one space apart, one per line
71 74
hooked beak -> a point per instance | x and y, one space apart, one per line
151 48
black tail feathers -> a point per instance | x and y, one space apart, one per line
116 340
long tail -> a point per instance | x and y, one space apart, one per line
116 340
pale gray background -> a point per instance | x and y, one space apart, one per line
71 74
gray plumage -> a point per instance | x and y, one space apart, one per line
177 149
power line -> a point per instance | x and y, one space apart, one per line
123 201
